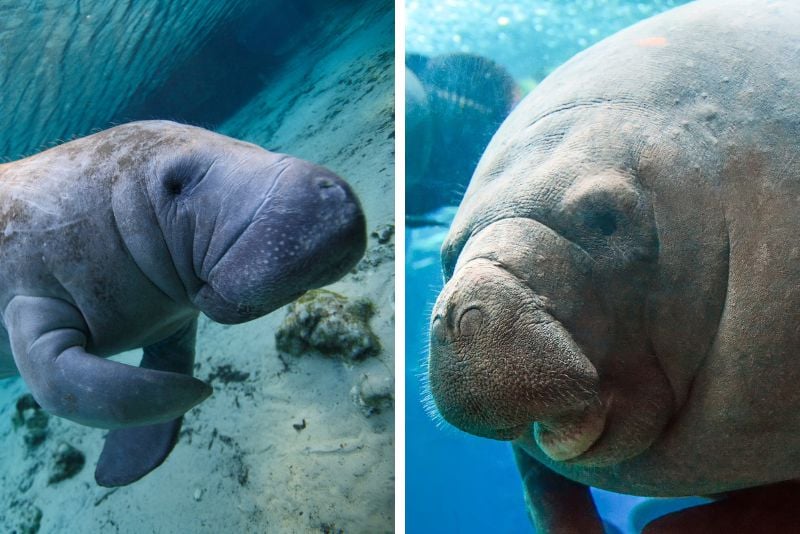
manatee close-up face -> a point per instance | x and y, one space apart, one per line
621 277
248 230
540 324
118 240
266 228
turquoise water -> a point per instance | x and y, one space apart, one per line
457 482
529 38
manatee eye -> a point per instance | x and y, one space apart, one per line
173 185
603 222
181 176
601 204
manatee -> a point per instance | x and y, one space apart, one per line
120 239
623 274
454 103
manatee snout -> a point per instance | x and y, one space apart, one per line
502 364
499 361
308 230
337 238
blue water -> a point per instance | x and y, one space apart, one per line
456 482
529 38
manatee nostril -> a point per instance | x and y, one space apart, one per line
438 329
470 322
330 189
323 182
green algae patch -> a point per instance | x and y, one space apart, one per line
328 323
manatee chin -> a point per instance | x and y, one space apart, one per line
637 408
226 311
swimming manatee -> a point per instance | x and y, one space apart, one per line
118 240
623 275
454 103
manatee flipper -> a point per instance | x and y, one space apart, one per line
131 453
555 503
48 338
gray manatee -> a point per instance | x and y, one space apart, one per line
118 240
623 274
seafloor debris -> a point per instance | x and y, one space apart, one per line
373 393
67 462
377 254
226 374
29 475
383 233
30 416
330 528
23 517
330 324
237 468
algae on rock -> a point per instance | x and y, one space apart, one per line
67 462
330 324
30 417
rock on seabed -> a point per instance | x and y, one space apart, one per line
328 323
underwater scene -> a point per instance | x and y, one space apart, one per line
468 63
113 235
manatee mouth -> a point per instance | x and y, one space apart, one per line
568 437
541 361
571 436
225 311
311 233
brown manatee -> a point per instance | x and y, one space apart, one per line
623 274
120 239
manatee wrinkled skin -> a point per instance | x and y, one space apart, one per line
118 240
623 274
